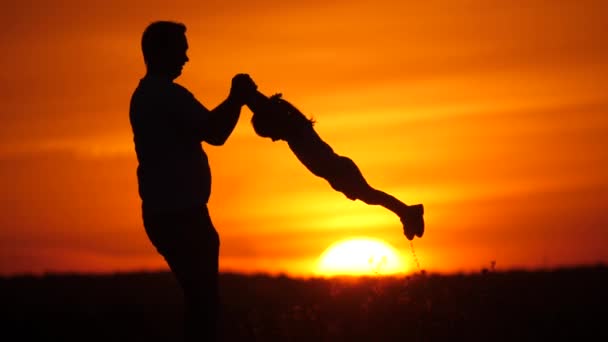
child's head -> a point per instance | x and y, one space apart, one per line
280 121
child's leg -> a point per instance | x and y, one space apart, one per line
410 216
376 197
349 180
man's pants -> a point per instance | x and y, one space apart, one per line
190 244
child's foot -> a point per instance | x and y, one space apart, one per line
413 221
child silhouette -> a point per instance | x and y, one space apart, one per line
277 119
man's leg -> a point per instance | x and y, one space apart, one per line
190 245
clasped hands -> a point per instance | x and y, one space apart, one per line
242 89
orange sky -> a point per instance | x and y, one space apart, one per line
492 114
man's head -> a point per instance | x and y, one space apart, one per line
164 47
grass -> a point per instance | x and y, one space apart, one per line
488 306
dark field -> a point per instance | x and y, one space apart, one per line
560 305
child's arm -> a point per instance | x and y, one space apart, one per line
259 103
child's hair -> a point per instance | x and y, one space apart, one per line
280 120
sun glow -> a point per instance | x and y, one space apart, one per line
360 256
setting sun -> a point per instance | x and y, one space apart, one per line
360 256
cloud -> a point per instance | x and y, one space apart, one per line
89 148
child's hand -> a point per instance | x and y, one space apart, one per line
242 88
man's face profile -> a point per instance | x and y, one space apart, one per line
176 57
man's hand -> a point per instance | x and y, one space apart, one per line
243 88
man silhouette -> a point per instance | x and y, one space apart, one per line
174 178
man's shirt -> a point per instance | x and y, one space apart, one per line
173 171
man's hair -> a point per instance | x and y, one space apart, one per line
160 36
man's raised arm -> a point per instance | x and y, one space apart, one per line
225 116
215 126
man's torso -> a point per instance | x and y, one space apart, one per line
173 171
